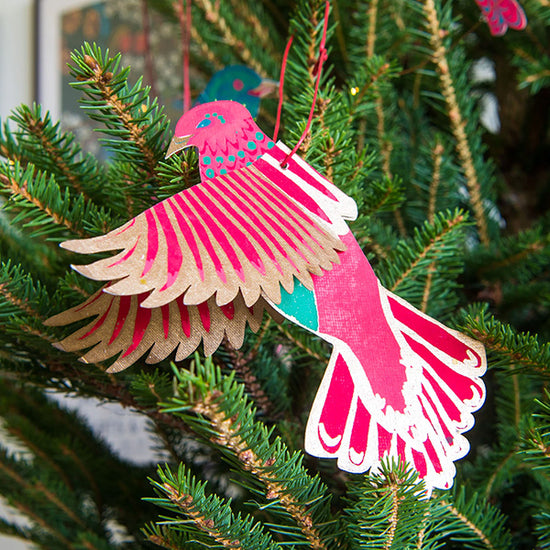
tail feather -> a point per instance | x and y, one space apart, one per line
351 423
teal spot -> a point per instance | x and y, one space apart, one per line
270 145
240 154
206 160
223 171
251 145
214 114
259 136
258 157
221 119
210 173
300 305
248 163
231 158
207 115
204 123
219 159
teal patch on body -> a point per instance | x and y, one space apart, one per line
300 305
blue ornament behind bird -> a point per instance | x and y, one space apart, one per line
238 83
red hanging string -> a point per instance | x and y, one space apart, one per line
149 65
281 88
317 70
183 10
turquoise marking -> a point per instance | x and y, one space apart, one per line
251 145
219 159
259 136
206 160
240 154
249 163
223 171
203 123
300 305
210 173
231 158
270 145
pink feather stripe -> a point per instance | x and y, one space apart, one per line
187 235
359 438
194 216
204 313
289 207
165 310
463 386
152 242
269 201
184 317
126 227
123 309
218 235
99 323
275 220
174 257
228 310
255 216
242 222
291 189
435 334
143 316
89 302
127 255
296 169
218 217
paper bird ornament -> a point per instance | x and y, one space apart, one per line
265 231
502 14
238 83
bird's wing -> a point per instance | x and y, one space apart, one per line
246 231
120 326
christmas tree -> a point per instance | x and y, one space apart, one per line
453 220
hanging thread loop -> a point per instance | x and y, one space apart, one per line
317 71
281 87
183 10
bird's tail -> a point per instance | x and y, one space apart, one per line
443 388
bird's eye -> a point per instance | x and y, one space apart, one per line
203 123
238 84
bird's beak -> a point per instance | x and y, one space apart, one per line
177 144
266 87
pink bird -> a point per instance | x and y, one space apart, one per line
502 14
265 231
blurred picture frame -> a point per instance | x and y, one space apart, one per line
50 61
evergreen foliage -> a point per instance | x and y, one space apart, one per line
397 127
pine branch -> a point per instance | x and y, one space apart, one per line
137 125
43 208
518 257
386 511
456 117
212 519
43 144
474 523
227 419
434 253
236 35
505 345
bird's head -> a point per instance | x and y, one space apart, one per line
215 126
239 83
